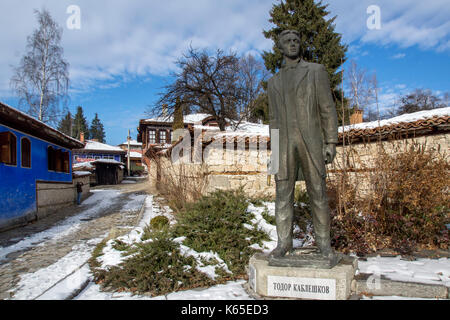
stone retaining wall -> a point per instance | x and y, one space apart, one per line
54 196
229 170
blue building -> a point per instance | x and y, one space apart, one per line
31 153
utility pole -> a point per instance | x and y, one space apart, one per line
128 156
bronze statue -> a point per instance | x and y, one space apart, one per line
301 107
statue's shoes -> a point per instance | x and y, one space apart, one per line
279 252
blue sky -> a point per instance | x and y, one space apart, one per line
124 51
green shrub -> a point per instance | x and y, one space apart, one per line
216 223
157 267
159 222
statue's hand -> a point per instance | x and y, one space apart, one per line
329 152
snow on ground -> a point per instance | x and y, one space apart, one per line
209 270
262 224
40 284
46 283
60 279
430 271
101 199
128 182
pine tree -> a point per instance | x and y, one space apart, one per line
66 124
319 42
80 124
178 122
97 131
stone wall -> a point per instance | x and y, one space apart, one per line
248 168
54 196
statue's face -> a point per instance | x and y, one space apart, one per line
290 45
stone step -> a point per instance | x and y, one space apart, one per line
370 285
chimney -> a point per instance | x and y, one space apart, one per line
356 117
82 137
164 110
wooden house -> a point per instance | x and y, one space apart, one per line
35 168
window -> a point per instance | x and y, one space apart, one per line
8 148
66 162
162 136
51 159
25 146
58 160
152 136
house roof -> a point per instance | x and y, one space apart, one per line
23 122
190 118
94 146
134 154
421 122
132 143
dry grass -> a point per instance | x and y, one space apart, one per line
402 202
181 184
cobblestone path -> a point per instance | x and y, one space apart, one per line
38 245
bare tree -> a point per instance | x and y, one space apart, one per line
41 80
420 100
360 92
252 76
206 83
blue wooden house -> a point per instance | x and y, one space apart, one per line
31 153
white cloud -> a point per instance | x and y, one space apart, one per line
399 56
137 37
404 23
142 38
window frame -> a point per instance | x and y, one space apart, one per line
22 140
152 134
12 148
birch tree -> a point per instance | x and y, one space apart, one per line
41 80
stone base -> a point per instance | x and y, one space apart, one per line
306 257
301 282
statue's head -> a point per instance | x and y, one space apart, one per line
289 43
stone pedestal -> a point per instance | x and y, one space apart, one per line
301 282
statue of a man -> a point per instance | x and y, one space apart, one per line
301 107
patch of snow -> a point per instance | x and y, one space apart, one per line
81 173
209 270
232 290
262 224
429 271
128 182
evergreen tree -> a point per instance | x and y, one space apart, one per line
178 122
319 42
66 124
97 131
80 124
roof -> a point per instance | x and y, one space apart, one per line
101 147
421 122
89 164
134 154
23 122
132 143
190 118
